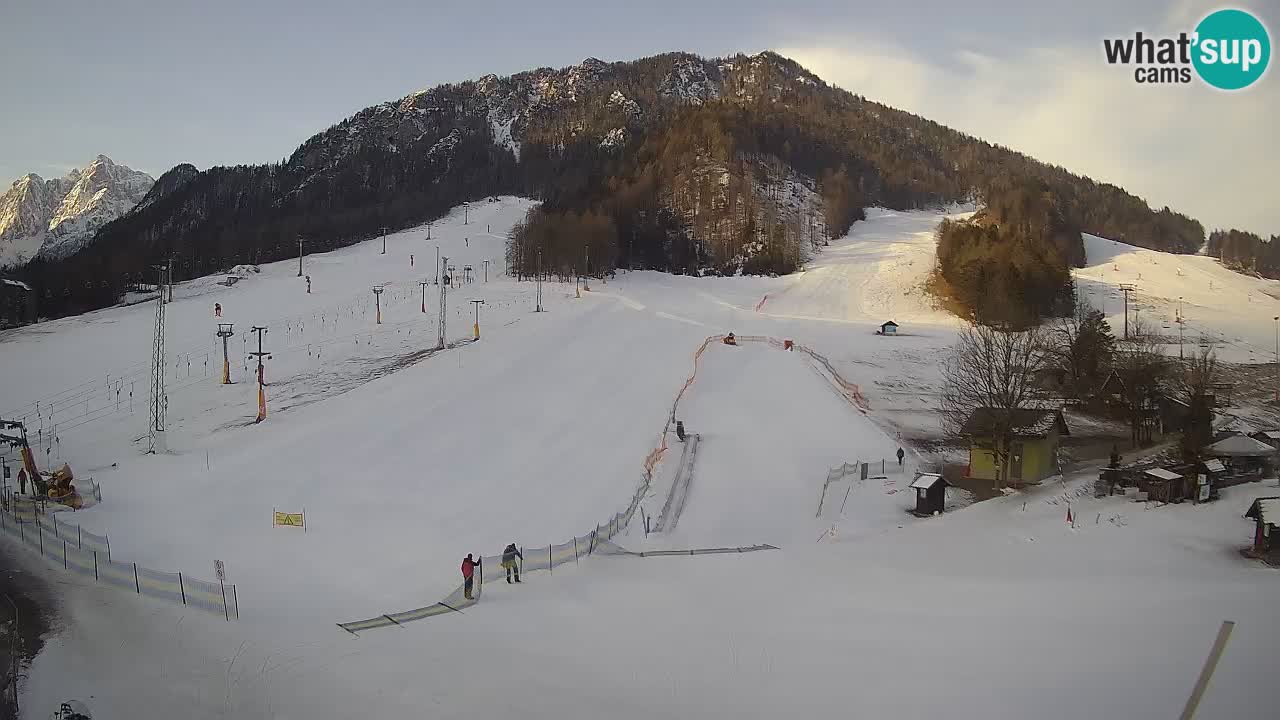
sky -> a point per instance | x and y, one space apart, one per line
152 83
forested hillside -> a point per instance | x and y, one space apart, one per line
1010 264
674 162
1246 252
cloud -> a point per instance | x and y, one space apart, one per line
1205 153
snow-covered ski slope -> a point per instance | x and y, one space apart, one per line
877 273
1232 310
405 461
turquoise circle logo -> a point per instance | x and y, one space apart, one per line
1232 49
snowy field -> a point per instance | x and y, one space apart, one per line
1231 310
406 460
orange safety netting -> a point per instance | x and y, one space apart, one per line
651 460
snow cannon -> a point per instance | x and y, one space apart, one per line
730 339
60 489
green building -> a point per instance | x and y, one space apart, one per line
1034 452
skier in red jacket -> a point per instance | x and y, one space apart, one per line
468 575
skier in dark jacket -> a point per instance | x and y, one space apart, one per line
901 454
509 555
469 567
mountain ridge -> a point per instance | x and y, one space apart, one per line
690 164
55 218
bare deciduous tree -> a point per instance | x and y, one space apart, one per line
1194 383
1141 367
1083 347
993 371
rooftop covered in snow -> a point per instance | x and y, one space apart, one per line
1265 509
926 481
1026 422
1240 446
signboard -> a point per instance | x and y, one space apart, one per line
220 570
287 519
1204 488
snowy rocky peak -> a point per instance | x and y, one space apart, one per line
102 190
690 81
487 84
25 210
580 76
54 218
626 104
167 184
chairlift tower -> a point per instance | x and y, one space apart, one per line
156 406
225 331
444 292
1127 288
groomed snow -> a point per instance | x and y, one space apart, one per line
537 432
1232 310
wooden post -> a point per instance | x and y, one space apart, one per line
226 612
1206 673
575 549
79 538
64 554
550 561
235 597
136 585
182 589
95 566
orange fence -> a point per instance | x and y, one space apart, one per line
655 455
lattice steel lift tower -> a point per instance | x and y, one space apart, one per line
156 410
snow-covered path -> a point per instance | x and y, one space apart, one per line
770 429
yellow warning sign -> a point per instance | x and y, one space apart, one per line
289 519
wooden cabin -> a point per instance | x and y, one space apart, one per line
1034 451
1265 513
931 494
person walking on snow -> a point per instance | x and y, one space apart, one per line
901 454
469 566
217 309
509 555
